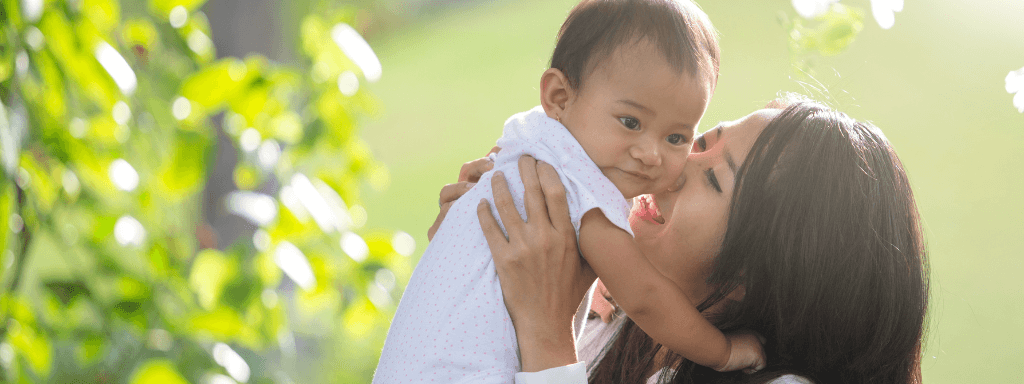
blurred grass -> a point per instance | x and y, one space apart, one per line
933 83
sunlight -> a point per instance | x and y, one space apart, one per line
117 67
123 175
357 49
293 262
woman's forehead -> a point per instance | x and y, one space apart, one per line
741 134
749 126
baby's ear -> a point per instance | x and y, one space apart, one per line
555 92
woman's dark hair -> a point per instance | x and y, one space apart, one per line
596 28
824 236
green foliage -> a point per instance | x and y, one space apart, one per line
109 118
828 34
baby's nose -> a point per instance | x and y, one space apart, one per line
647 154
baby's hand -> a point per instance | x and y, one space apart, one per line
745 353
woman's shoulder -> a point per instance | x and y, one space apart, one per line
791 379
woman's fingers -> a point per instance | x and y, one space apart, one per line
556 204
451 192
533 197
504 204
472 170
437 222
496 239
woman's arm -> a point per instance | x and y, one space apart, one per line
543 279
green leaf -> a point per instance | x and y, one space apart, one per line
832 35
33 346
217 83
104 14
184 174
223 323
211 270
157 371
42 189
163 8
359 317
89 350
139 32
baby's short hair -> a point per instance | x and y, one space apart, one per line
596 28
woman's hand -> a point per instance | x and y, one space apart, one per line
469 175
542 276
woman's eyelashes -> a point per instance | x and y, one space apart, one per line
631 123
712 179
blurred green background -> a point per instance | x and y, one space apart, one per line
934 83
261 230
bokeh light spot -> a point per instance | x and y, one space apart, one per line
34 38
199 43
181 108
32 10
70 182
358 50
117 67
78 128
348 83
122 113
250 139
178 16
123 175
268 153
293 262
128 231
231 361
354 246
403 243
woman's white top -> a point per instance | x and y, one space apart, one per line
595 336
451 325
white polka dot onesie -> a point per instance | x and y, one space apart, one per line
451 325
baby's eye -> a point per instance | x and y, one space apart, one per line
630 122
676 139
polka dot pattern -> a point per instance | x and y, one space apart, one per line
451 325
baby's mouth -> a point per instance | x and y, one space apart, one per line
647 209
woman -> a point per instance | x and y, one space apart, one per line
798 224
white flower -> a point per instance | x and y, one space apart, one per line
1015 84
810 9
885 11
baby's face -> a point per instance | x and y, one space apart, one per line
636 118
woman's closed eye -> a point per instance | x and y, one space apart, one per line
712 179
631 123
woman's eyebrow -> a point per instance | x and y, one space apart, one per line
729 160
718 130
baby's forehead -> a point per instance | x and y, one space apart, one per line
633 56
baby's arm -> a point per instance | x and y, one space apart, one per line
656 304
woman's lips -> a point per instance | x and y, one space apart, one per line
647 209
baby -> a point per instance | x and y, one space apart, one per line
628 84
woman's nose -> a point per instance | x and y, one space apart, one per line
647 153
